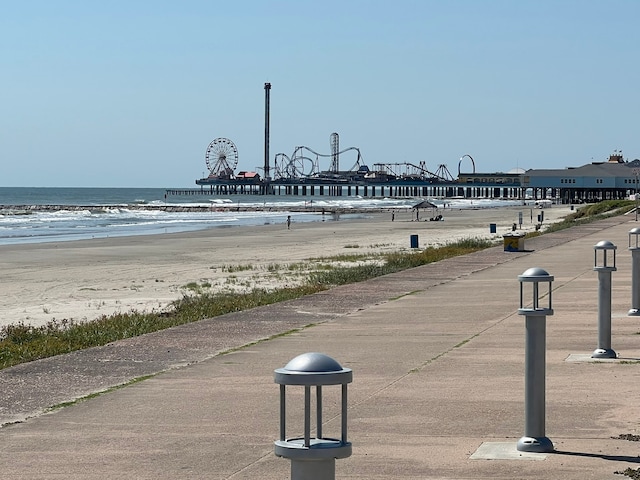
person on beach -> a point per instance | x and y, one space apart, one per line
288 222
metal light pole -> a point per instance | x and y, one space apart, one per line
534 439
267 174
604 269
634 247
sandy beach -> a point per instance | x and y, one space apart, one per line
83 280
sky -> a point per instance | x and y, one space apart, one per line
130 93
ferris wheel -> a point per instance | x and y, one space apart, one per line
221 158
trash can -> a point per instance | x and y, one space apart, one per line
414 241
492 228
513 242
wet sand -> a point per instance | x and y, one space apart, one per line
83 280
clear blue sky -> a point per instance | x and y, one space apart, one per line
130 92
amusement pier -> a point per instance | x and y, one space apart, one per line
302 174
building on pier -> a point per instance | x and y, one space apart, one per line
596 181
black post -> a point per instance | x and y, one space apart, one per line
267 179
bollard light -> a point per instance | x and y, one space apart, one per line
604 264
534 277
634 247
534 439
634 238
604 256
313 457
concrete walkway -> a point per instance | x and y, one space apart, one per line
437 354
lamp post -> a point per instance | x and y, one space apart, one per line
636 174
634 247
313 458
534 439
604 269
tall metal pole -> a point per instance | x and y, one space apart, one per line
335 152
267 177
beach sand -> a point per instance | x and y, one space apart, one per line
83 280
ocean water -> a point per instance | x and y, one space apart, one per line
115 212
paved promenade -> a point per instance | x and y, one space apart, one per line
437 354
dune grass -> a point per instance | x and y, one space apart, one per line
21 343
591 213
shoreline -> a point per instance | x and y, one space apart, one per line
84 279
308 206
220 207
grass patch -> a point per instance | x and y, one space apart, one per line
299 266
345 258
21 343
592 212
395 262
197 288
237 268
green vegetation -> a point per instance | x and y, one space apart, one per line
237 268
607 208
23 343
395 262
592 212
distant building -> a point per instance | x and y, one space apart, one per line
613 179
250 176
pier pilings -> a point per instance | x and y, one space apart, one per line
350 190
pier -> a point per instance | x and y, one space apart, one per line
597 181
417 189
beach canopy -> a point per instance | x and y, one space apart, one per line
425 204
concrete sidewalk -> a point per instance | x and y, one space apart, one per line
437 354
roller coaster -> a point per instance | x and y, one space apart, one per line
303 165
410 171
305 162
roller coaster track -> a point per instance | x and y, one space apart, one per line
296 165
304 162
411 169
473 164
